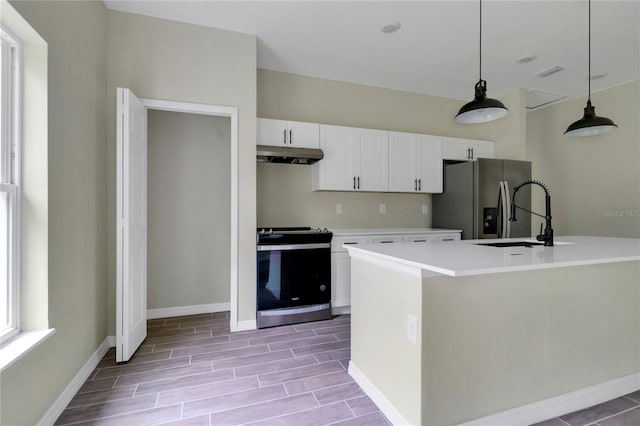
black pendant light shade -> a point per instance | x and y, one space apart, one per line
590 124
481 109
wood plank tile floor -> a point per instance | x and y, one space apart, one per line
192 371
623 411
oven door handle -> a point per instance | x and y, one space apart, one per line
283 247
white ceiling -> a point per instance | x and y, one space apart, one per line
435 52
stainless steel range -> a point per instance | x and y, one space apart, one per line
294 275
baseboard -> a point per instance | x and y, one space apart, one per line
67 395
178 311
376 396
340 310
562 404
245 325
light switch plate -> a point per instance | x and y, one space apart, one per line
338 208
425 209
383 208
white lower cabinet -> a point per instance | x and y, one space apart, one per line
341 262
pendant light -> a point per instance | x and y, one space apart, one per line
481 109
590 124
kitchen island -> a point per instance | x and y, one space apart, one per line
456 332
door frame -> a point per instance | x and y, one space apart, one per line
232 113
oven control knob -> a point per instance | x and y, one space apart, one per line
325 230
323 287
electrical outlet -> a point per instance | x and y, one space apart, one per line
425 209
339 208
383 208
412 328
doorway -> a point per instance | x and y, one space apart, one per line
131 298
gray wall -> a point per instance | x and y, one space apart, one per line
594 181
76 33
161 59
188 204
284 191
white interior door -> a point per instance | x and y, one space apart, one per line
131 293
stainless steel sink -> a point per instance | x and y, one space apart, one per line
512 244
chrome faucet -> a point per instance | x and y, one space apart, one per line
547 237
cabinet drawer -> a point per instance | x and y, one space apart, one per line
337 242
444 237
417 238
387 239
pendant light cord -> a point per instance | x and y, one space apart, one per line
480 38
589 76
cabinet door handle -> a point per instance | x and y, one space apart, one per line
290 137
284 136
471 153
447 239
468 153
419 184
419 241
358 182
386 242
349 243
415 184
354 182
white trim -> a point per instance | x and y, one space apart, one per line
562 404
246 325
232 113
341 310
111 341
67 395
177 311
376 396
22 344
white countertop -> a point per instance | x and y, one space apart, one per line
389 231
463 258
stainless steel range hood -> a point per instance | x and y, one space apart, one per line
287 155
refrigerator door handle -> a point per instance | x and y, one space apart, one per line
499 211
503 210
507 209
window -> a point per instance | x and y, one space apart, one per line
10 54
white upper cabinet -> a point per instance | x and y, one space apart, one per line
415 163
287 133
354 160
373 170
466 149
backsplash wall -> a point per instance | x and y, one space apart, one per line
284 198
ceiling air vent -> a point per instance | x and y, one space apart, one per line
538 98
547 72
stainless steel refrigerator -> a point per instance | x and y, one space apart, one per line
477 195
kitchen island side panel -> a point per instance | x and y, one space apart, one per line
382 299
498 341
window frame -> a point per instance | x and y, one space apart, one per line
10 147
